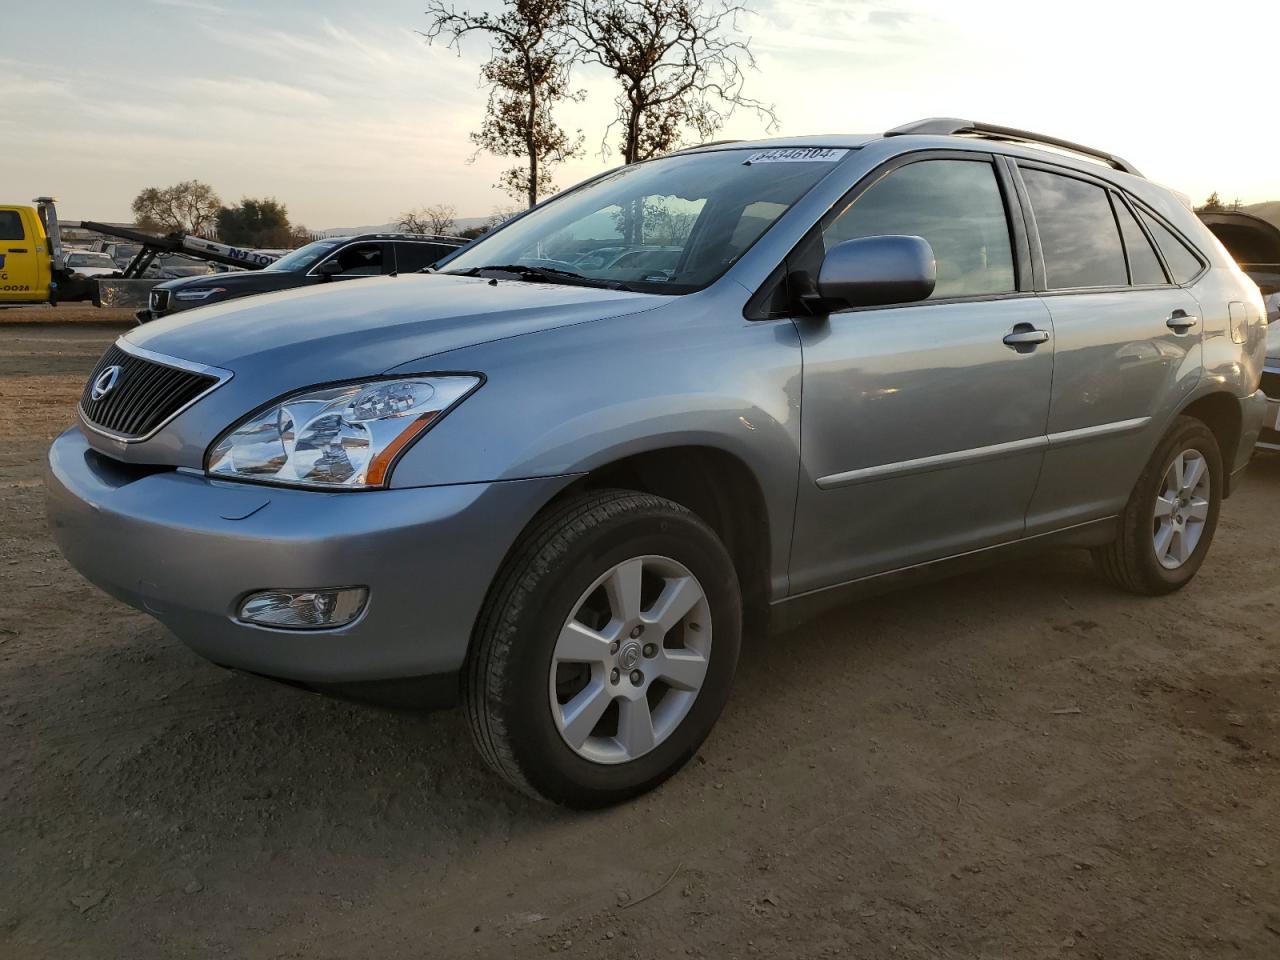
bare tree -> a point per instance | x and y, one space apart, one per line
527 74
501 215
679 62
438 219
190 206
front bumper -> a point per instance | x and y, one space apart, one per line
186 549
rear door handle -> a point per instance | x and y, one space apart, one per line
17 249
1181 321
1025 335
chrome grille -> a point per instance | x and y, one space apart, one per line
144 396
159 300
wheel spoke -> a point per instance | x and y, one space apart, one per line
1164 506
1181 546
1163 536
682 669
623 590
1199 509
1177 467
678 597
1192 471
580 644
583 712
635 726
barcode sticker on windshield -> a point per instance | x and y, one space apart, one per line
797 155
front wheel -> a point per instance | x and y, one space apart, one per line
1171 516
605 650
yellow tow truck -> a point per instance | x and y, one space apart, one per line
32 264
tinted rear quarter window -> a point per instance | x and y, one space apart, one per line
11 225
1183 264
1144 265
1078 232
955 205
415 256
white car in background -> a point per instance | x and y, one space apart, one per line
90 264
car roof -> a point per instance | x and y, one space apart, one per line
943 133
412 237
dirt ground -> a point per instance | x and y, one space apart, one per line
1017 763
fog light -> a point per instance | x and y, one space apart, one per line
304 609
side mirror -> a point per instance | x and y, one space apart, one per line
878 271
330 268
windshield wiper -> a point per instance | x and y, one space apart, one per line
547 274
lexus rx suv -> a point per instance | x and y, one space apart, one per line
553 488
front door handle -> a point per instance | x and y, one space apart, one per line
1024 337
1181 321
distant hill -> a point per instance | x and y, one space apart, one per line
462 223
1269 211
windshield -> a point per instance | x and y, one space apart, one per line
669 226
304 257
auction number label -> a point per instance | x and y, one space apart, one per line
796 155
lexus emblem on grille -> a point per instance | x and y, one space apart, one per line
105 383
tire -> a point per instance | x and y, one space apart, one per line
1132 561
512 688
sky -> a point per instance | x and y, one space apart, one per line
344 113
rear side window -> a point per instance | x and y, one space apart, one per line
1078 232
415 256
1144 265
953 204
11 226
1183 264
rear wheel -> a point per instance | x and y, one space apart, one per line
1169 521
606 649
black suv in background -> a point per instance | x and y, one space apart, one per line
333 258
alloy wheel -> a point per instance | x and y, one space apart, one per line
1181 509
630 659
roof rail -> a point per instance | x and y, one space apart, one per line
949 126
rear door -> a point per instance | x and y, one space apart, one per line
1127 341
19 268
922 427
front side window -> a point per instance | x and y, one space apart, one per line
1078 232
667 226
360 260
11 226
953 204
1183 264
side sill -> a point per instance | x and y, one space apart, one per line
791 612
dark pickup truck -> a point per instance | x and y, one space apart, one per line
333 258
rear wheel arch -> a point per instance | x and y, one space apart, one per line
1220 412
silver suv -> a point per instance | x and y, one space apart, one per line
554 485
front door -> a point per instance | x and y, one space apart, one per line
923 425
19 272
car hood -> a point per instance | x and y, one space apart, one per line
357 328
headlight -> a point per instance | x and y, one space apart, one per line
347 436
198 293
